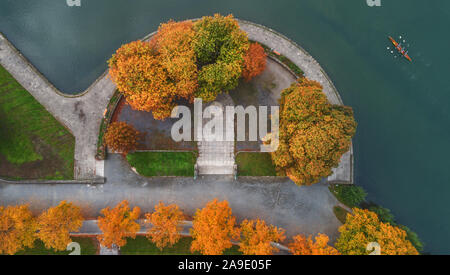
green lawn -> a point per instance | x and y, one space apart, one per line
341 213
152 164
33 143
255 164
142 246
88 247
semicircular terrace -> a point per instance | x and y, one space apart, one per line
82 114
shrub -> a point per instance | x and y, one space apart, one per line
121 137
350 195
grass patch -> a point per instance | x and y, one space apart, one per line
152 164
142 246
350 195
341 213
255 164
33 143
88 247
283 59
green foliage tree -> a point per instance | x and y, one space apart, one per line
350 195
220 46
384 214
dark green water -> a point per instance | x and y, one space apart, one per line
402 145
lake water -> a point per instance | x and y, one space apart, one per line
402 145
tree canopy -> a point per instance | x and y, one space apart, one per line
257 237
117 224
165 225
121 137
56 223
220 46
255 61
17 229
363 227
313 133
182 61
213 228
306 246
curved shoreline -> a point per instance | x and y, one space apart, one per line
87 107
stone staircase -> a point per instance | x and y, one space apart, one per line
216 158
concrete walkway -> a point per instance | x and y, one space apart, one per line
90 228
278 201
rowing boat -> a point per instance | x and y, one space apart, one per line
400 49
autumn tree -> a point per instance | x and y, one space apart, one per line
213 228
220 46
255 61
117 224
313 133
363 227
153 75
306 246
257 237
17 229
121 137
165 225
55 225
174 45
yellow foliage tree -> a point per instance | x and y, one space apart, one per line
306 246
118 224
55 225
17 229
213 228
313 133
257 237
166 225
363 227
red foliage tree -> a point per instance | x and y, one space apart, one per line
255 61
121 137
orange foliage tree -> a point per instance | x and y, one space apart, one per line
55 225
17 229
363 227
306 246
152 75
213 228
174 44
166 225
121 137
313 133
118 224
255 61
257 237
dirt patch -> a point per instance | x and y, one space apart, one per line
50 166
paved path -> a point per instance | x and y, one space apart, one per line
90 228
279 201
81 115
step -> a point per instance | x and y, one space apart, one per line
216 170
